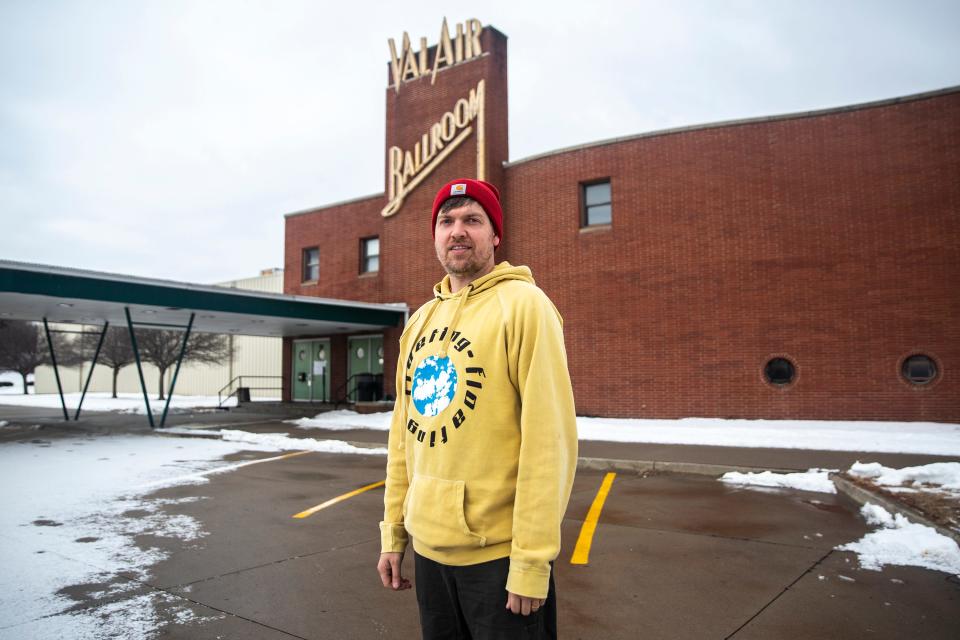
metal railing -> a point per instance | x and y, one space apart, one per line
359 380
235 385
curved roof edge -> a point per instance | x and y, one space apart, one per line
77 296
738 122
120 278
333 204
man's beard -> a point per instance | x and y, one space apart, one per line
473 263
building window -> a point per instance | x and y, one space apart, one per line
311 264
779 372
919 369
596 204
370 255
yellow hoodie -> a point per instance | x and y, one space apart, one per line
483 443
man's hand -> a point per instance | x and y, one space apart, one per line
389 569
522 604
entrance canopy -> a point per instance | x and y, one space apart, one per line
59 294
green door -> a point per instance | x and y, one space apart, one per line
365 357
311 370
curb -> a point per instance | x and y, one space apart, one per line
862 496
652 466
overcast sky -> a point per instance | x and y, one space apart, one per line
168 138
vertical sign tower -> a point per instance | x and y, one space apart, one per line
446 118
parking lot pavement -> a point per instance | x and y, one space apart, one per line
688 557
672 557
312 577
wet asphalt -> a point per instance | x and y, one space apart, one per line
673 556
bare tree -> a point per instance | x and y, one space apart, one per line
23 348
116 352
20 348
161 348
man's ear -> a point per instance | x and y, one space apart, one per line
496 241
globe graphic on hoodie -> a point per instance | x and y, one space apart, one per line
434 385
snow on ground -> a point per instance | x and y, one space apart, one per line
71 510
123 403
901 542
931 438
811 480
939 476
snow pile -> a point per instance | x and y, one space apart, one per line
277 441
901 542
931 438
123 403
344 420
938 476
254 442
283 442
199 431
811 480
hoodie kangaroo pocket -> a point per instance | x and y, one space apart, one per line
434 514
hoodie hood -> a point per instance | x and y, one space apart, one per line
502 272
441 291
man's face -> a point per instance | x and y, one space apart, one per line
465 240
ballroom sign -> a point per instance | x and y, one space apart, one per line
407 168
407 64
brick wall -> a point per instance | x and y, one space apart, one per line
831 240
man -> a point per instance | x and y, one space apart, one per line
483 443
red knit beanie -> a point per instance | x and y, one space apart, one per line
483 192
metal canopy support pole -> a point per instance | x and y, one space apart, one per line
103 334
173 383
56 371
136 356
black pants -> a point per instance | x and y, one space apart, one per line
469 603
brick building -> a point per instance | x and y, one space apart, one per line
798 266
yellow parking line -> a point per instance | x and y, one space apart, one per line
581 553
283 457
313 510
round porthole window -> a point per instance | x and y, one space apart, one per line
919 369
779 372
302 355
360 352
